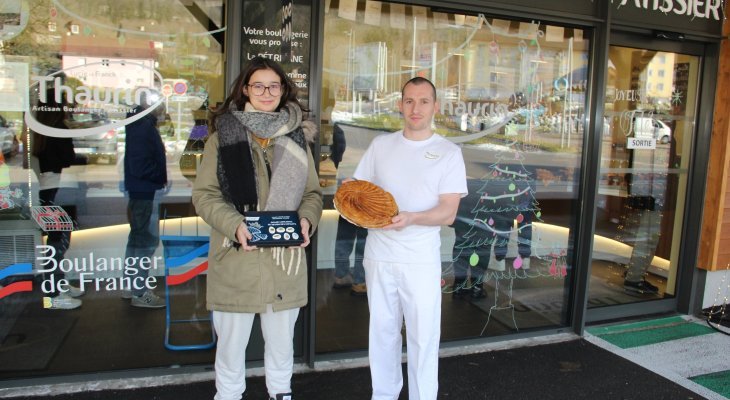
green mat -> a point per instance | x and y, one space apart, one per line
644 333
718 382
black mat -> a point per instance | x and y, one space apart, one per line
33 341
567 370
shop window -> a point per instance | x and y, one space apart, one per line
71 77
512 94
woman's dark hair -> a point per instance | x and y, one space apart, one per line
239 99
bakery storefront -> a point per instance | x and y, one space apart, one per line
582 123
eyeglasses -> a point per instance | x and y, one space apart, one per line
258 89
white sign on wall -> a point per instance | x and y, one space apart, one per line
641 143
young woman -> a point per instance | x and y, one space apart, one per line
257 159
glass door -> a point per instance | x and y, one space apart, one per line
512 94
648 130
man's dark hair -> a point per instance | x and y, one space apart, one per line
418 81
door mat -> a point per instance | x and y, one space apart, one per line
718 382
33 341
649 332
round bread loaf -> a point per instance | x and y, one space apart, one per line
365 204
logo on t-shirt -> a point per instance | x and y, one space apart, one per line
432 156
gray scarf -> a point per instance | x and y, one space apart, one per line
289 167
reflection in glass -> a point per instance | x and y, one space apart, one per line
512 94
647 133
94 57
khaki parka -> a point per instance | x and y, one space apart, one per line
247 281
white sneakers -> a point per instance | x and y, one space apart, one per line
74 292
62 302
68 300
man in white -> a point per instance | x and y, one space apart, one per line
425 173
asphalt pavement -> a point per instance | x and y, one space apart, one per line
568 369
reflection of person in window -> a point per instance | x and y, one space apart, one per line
348 235
145 173
338 144
54 154
644 218
474 241
165 125
470 244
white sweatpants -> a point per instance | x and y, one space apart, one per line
396 291
234 330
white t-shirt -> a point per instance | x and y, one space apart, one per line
415 173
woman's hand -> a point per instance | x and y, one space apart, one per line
243 236
305 231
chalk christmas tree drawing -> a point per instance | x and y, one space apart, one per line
506 208
501 207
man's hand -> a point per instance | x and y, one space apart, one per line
443 214
400 221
